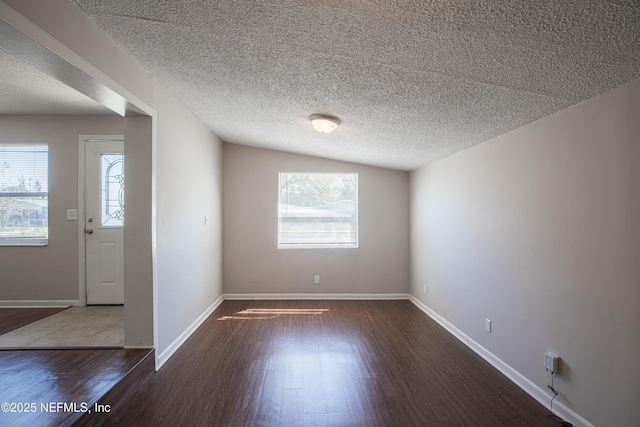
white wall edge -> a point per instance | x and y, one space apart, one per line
39 303
161 359
315 296
154 238
516 377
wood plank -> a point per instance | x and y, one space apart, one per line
44 379
121 392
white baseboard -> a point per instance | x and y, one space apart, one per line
520 380
161 359
315 296
39 303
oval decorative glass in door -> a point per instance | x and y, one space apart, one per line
112 190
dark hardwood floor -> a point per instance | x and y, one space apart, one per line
34 382
325 363
14 318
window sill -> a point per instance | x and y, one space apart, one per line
24 242
307 246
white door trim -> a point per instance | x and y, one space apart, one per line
82 264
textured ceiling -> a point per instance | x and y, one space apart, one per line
26 90
412 81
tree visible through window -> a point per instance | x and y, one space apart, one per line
318 210
24 196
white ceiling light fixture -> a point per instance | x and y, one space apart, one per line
324 123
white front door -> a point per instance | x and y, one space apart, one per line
104 221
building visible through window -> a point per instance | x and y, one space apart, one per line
24 194
318 210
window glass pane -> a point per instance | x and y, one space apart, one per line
24 186
318 210
112 190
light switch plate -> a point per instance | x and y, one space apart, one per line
72 214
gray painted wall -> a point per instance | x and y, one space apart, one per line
253 263
138 232
537 230
51 272
189 187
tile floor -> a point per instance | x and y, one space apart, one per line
95 326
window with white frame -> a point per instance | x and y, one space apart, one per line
24 194
318 210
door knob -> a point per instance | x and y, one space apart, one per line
88 231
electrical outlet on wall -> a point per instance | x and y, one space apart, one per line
316 279
425 289
551 362
487 325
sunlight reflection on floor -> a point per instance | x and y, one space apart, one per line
271 313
